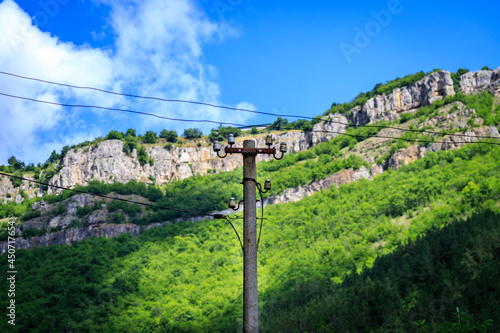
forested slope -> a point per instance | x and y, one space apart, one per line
187 277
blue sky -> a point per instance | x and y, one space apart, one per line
287 57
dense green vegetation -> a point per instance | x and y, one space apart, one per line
336 254
411 245
192 133
456 78
425 280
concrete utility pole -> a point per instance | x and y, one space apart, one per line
249 246
250 287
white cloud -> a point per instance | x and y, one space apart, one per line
27 51
158 52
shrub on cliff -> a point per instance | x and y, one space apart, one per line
114 135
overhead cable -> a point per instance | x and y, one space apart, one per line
122 110
199 103
409 140
146 97
110 197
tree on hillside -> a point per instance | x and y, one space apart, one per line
130 144
114 135
223 132
280 123
192 133
170 136
130 132
150 137
53 157
15 163
64 151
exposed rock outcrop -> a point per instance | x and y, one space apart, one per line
67 237
340 178
410 154
10 193
330 126
389 106
473 82
107 162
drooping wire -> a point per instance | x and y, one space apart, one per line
262 214
215 216
148 97
236 232
244 126
121 110
407 139
405 129
198 103
110 197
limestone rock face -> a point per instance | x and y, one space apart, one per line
68 236
388 107
472 82
330 126
106 161
41 206
340 178
96 218
76 201
410 154
10 193
405 156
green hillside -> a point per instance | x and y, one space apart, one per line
414 244
295 169
341 254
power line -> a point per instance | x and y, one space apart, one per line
122 110
199 103
147 97
214 216
112 198
414 130
409 140
220 122
245 126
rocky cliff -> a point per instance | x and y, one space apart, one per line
433 87
389 106
481 80
107 162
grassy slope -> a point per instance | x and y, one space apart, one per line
187 277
